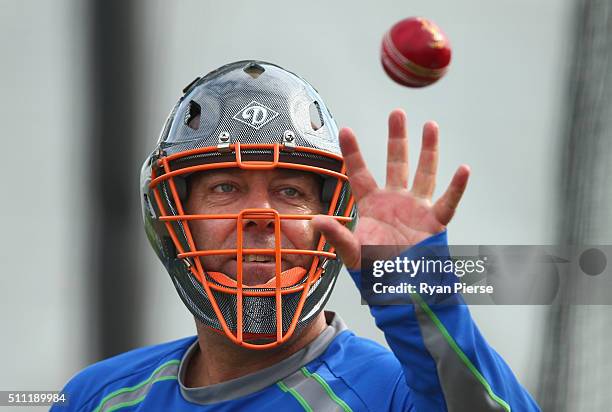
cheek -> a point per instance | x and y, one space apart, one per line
300 233
210 234
207 234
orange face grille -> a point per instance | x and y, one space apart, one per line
290 282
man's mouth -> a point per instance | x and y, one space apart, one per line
256 269
257 258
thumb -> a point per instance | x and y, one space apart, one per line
346 243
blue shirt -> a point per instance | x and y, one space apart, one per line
438 361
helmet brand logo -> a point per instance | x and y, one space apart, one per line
255 115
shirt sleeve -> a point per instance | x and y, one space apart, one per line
446 362
73 393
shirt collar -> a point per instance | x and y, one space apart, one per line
256 381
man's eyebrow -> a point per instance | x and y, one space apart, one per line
298 178
219 172
303 179
290 173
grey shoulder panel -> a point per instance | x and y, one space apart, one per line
134 394
463 391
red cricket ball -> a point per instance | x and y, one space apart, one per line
415 52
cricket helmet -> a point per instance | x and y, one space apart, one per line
250 115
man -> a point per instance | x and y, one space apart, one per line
249 171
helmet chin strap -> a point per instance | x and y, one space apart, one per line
289 277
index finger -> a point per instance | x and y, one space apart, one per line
361 180
445 207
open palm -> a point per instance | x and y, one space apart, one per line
393 215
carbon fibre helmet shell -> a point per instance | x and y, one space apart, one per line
223 93
248 114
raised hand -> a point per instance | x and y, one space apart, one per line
393 215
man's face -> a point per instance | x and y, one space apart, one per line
232 190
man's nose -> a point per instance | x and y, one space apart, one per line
258 221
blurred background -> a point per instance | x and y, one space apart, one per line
86 86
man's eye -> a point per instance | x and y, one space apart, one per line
223 188
290 192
